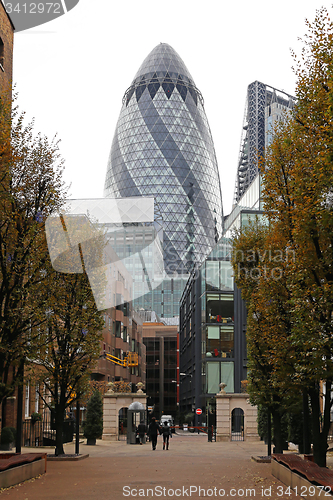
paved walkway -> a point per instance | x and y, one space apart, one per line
118 471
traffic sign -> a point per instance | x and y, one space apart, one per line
198 411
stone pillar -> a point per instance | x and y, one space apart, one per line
223 417
110 417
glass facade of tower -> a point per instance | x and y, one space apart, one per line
265 106
163 147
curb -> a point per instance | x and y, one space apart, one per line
69 458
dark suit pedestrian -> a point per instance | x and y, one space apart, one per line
166 431
142 431
153 432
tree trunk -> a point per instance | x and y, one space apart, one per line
306 424
59 424
269 433
278 441
3 413
320 427
19 415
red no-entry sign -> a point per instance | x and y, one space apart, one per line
198 411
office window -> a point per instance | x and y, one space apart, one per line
218 372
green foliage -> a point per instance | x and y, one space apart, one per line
7 435
189 418
36 417
31 188
284 428
290 326
70 346
93 425
263 427
13 429
295 428
262 422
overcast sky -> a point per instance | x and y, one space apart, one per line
71 73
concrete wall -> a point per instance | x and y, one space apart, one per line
21 473
297 483
225 403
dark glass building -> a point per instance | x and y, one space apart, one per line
162 357
163 147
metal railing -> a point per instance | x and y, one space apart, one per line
43 433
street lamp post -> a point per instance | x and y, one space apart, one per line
183 374
77 428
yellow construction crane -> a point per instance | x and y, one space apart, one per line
132 359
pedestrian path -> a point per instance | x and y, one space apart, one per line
191 468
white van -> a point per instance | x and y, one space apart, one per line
168 419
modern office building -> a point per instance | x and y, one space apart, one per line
162 370
134 228
162 147
265 105
212 312
213 320
134 231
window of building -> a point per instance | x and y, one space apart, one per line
2 54
213 332
212 275
118 328
219 308
37 398
217 372
27 397
220 341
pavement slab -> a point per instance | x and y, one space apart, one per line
191 468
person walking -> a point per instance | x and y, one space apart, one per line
142 431
153 431
166 431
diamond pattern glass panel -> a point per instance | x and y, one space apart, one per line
163 147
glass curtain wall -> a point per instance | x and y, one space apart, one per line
217 316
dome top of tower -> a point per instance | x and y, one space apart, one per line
161 60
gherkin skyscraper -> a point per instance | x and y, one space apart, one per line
163 147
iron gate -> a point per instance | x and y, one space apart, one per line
237 425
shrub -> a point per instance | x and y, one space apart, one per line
93 425
189 418
7 435
13 429
36 417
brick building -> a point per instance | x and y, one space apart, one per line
6 49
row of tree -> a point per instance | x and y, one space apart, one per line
284 262
49 324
